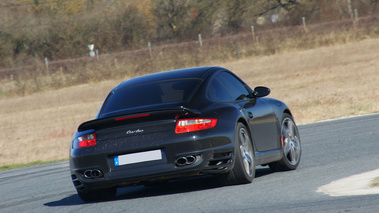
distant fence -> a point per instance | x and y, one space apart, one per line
255 37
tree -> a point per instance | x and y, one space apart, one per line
133 26
236 11
203 16
172 17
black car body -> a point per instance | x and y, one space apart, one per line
182 123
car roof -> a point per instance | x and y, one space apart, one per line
195 72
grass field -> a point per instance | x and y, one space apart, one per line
317 84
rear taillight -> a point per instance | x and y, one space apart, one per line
190 125
85 141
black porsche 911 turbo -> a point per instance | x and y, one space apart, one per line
182 123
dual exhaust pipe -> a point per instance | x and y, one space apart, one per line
93 173
181 161
187 160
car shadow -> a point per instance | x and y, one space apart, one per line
167 188
179 186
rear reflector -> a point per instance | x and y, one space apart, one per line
85 141
190 125
132 116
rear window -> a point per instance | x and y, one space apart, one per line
168 91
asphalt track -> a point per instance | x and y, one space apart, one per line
331 150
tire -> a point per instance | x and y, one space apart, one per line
244 167
89 195
291 146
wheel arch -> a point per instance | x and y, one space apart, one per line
244 122
287 111
280 113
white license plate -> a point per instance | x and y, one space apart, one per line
137 157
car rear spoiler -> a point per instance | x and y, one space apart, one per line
123 119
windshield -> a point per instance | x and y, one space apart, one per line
168 91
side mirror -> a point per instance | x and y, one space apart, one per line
261 91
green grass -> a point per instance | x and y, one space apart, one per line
375 182
21 165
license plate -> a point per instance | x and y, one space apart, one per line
137 157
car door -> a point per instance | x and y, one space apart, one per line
263 125
260 114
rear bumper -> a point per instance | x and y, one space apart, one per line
214 155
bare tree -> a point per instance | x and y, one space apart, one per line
373 5
350 9
171 17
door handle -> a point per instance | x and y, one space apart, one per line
250 114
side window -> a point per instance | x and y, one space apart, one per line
233 86
216 92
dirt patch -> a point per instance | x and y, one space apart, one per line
360 184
